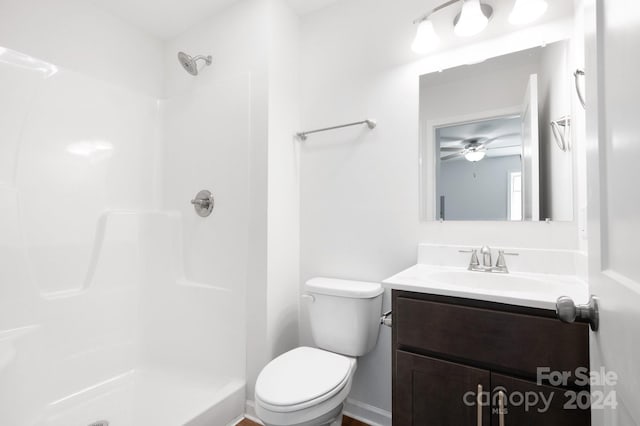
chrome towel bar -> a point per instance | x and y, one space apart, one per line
370 123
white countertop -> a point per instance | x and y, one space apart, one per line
523 289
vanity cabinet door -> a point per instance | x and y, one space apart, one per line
430 391
524 404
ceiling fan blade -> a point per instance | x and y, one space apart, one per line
451 149
503 147
451 139
488 141
452 156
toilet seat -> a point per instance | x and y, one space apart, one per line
301 378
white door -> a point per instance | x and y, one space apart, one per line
613 166
530 152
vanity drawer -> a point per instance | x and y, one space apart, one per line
513 342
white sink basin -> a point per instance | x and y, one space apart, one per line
523 289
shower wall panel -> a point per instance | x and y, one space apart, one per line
206 142
78 159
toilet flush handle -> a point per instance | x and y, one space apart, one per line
386 318
308 297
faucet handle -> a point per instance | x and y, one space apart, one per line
474 259
474 263
506 253
501 263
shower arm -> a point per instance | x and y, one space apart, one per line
207 59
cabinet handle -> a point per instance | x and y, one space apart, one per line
501 407
479 405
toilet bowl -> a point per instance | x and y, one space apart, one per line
308 386
305 386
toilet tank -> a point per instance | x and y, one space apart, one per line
344 315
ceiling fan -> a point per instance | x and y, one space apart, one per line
473 149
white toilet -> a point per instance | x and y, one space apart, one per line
307 386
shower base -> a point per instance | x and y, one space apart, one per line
153 398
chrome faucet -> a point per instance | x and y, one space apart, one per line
487 265
485 251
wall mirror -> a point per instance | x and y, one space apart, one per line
496 138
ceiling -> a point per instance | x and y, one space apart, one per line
166 19
307 6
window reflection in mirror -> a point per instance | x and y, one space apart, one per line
488 150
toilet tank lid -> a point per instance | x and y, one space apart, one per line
344 288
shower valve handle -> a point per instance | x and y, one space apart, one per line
203 203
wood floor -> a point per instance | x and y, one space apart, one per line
346 421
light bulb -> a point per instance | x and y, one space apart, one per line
474 156
527 11
426 38
472 20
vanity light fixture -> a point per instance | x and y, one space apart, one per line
472 19
474 156
527 11
426 38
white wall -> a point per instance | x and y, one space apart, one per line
556 167
359 188
77 35
283 214
477 191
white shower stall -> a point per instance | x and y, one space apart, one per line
117 302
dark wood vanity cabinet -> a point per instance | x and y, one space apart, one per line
448 351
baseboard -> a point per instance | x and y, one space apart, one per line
250 411
236 421
366 413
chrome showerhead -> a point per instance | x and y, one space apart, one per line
190 63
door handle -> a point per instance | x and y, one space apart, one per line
567 311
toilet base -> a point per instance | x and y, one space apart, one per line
332 418
337 421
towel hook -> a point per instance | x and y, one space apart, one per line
561 138
576 76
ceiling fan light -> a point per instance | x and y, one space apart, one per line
426 38
526 11
474 156
472 20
